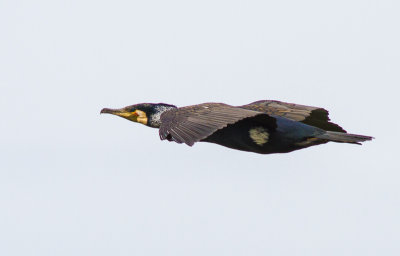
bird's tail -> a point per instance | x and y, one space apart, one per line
344 137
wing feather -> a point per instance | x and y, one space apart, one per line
313 116
194 123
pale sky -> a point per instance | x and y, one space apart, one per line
73 182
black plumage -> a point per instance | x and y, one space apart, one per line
263 126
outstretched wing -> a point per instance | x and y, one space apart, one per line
314 116
194 123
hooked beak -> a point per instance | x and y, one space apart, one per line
107 111
135 116
118 112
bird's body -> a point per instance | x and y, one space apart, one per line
260 136
262 127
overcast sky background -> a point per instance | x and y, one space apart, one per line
73 182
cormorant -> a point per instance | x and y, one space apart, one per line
264 127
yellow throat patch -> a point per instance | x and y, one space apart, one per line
141 117
135 116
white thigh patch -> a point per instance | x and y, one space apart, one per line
259 135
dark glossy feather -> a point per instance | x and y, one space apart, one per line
314 116
344 137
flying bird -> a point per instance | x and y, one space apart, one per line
264 127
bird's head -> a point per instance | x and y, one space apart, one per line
144 113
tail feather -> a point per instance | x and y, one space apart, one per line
344 137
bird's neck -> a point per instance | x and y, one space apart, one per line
155 117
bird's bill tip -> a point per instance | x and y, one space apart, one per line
107 111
